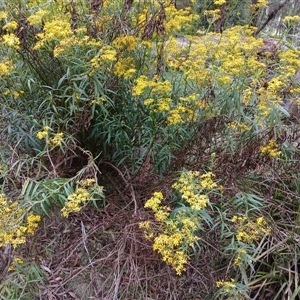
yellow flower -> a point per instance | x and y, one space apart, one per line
145 225
75 201
125 42
291 19
88 182
175 233
238 261
4 69
212 15
16 94
260 4
12 219
141 84
207 182
198 201
16 261
129 73
11 26
54 30
241 127
36 19
219 2
56 140
249 231
271 149
227 286
154 202
190 185
125 67
43 133
178 19
3 14
174 118
11 40
162 213
108 54
32 223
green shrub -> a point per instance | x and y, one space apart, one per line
137 86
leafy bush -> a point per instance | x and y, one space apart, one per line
136 86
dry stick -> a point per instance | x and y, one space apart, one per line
118 273
271 16
219 22
127 184
81 269
52 164
261 286
84 239
14 149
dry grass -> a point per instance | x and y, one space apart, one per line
102 254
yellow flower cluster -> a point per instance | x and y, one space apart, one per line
219 2
271 149
103 60
249 231
16 261
161 213
71 45
14 225
125 65
32 223
157 88
156 94
178 19
53 141
212 15
276 84
3 15
86 183
16 94
166 245
11 40
191 184
180 114
10 26
36 18
173 235
53 31
231 289
240 257
75 201
125 43
43 133
227 286
207 182
176 233
173 22
56 140
259 4
221 59
85 191
289 63
291 19
108 54
5 68
236 126
141 84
